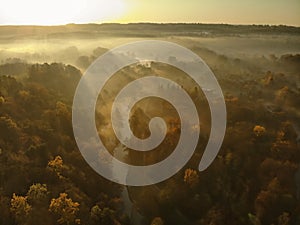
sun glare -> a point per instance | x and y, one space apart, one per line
37 12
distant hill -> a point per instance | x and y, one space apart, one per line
140 30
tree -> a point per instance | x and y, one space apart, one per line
284 219
56 165
99 51
267 202
2 100
103 216
259 131
37 193
38 198
9 129
83 62
20 207
65 209
191 177
157 221
214 216
254 219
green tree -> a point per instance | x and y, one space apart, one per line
37 193
103 216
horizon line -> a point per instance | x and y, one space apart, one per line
156 23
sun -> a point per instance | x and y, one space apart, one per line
56 12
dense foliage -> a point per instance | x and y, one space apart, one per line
254 180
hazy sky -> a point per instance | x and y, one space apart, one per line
203 11
217 11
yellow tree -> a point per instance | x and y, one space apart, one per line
2 100
56 165
65 209
191 177
157 221
20 207
284 219
259 130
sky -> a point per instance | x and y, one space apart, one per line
52 12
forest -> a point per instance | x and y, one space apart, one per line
255 179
